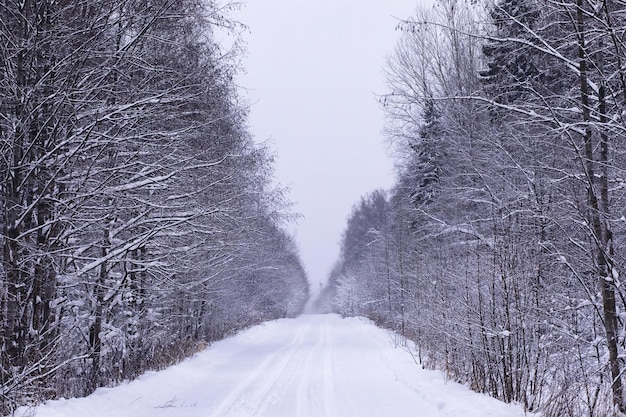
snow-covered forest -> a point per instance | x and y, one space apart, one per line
501 247
139 220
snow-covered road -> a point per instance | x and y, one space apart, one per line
315 365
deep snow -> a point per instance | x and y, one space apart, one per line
315 365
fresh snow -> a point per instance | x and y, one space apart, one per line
315 365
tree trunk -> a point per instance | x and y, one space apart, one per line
95 340
598 211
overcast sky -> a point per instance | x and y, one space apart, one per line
313 69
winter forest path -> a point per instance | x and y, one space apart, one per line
315 365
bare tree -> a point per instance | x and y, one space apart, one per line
131 191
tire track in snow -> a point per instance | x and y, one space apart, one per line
328 386
298 382
283 375
306 391
247 398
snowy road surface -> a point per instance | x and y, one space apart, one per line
316 365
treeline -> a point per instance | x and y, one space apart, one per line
501 247
137 214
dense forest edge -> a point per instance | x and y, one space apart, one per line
500 249
139 219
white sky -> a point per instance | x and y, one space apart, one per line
312 72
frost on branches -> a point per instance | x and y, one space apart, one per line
136 213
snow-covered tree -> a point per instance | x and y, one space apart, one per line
507 214
135 205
